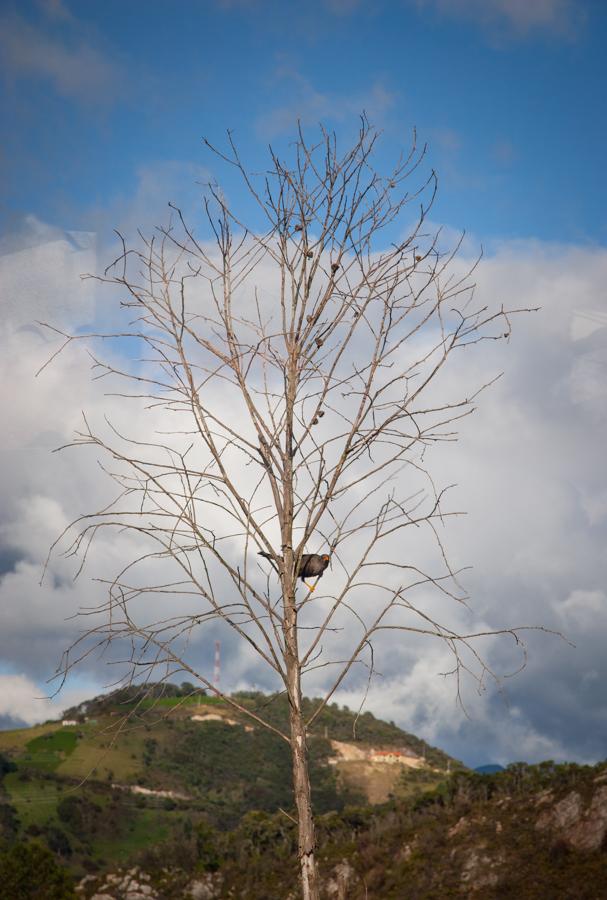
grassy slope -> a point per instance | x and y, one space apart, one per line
14 741
149 827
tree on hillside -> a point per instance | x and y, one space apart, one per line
291 377
29 870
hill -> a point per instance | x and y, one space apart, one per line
530 832
334 722
125 772
175 796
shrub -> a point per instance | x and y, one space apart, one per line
30 870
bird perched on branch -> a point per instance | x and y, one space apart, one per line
312 565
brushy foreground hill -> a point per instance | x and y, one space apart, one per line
534 832
528 832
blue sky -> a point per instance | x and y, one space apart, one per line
508 95
104 109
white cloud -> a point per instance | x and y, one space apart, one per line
40 276
423 703
530 472
595 506
585 322
311 106
21 699
585 609
157 183
529 469
520 17
74 67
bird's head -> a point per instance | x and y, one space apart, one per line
326 559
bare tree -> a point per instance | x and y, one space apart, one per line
291 373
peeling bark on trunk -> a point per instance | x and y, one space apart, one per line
307 840
301 786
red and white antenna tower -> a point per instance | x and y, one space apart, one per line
217 666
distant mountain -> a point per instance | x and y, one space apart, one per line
490 769
11 722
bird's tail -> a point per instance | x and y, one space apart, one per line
265 555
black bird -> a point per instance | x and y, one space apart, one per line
312 565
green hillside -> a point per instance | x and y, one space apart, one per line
341 724
334 722
135 772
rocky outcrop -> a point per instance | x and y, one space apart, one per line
461 825
205 887
131 885
338 885
581 826
480 869
589 834
135 884
562 815
481 846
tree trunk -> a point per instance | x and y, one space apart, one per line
301 786
299 751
